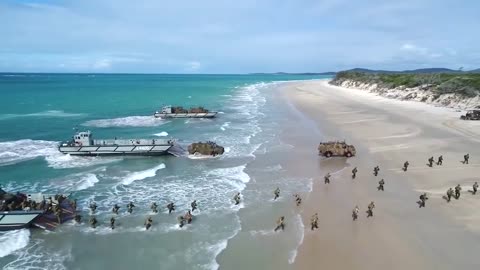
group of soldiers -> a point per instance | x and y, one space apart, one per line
187 218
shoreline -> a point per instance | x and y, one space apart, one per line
387 132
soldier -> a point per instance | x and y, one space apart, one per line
236 198
93 207
194 205
440 160
465 158
405 166
430 162
276 193
130 207
93 222
354 173
380 185
78 218
449 194
148 223
458 188
154 207
370 209
327 178
112 223
181 221
115 209
355 212
280 224
314 221
475 187
298 199
189 217
58 214
171 207
376 170
423 199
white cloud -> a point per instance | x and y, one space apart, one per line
193 66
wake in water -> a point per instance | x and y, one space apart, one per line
13 240
129 121
22 150
161 134
45 114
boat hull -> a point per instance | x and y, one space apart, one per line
120 150
185 115
14 220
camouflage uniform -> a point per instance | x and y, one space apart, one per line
354 173
440 160
380 185
475 187
376 170
458 188
280 224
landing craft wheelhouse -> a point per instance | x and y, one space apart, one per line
180 112
83 144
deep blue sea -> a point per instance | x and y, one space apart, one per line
37 111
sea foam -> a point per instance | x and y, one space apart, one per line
13 240
134 176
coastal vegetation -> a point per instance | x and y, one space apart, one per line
463 84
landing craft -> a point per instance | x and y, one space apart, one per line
83 144
179 112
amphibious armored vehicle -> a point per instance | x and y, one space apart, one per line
471 115
336 148
84 145
180 112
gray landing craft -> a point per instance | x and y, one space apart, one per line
83 144
179 112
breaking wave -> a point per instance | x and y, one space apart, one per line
13 240
161 134
134 176
129 121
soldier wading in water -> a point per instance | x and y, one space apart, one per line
327 178
194 205
314 221
148 223
93 207
298 199
280 224
93 222
236 198
354 173
154 207
380 185
112 223
130 207
115 209
355 213
405 166
376 170
171 207
276 193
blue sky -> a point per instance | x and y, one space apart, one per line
237 36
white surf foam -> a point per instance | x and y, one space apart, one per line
225 126
13 240
300 235
58 160
87 181
161 134
17 151
129 121
199 156
130 178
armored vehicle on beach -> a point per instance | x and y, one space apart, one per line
471 115
83 144
336 148
206 149
180 112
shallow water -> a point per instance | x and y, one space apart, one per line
41 110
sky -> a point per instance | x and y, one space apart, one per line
237 36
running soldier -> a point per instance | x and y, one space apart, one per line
458 188
115 209
93 222
327 178
355 212
171 207
354 173
130 207
440 160
314 221
93 207
194 205
430 162
380 185
465 158
154 207
236 198
280 224
423 199
112 223
449 194
376 170
370 209
276 193
148 223
475 187
405 166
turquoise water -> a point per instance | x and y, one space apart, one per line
37 111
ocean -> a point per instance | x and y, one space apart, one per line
37 111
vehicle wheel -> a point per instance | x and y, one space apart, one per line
349 154
328 154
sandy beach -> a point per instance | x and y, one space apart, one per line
386 132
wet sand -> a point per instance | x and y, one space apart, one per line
385 132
